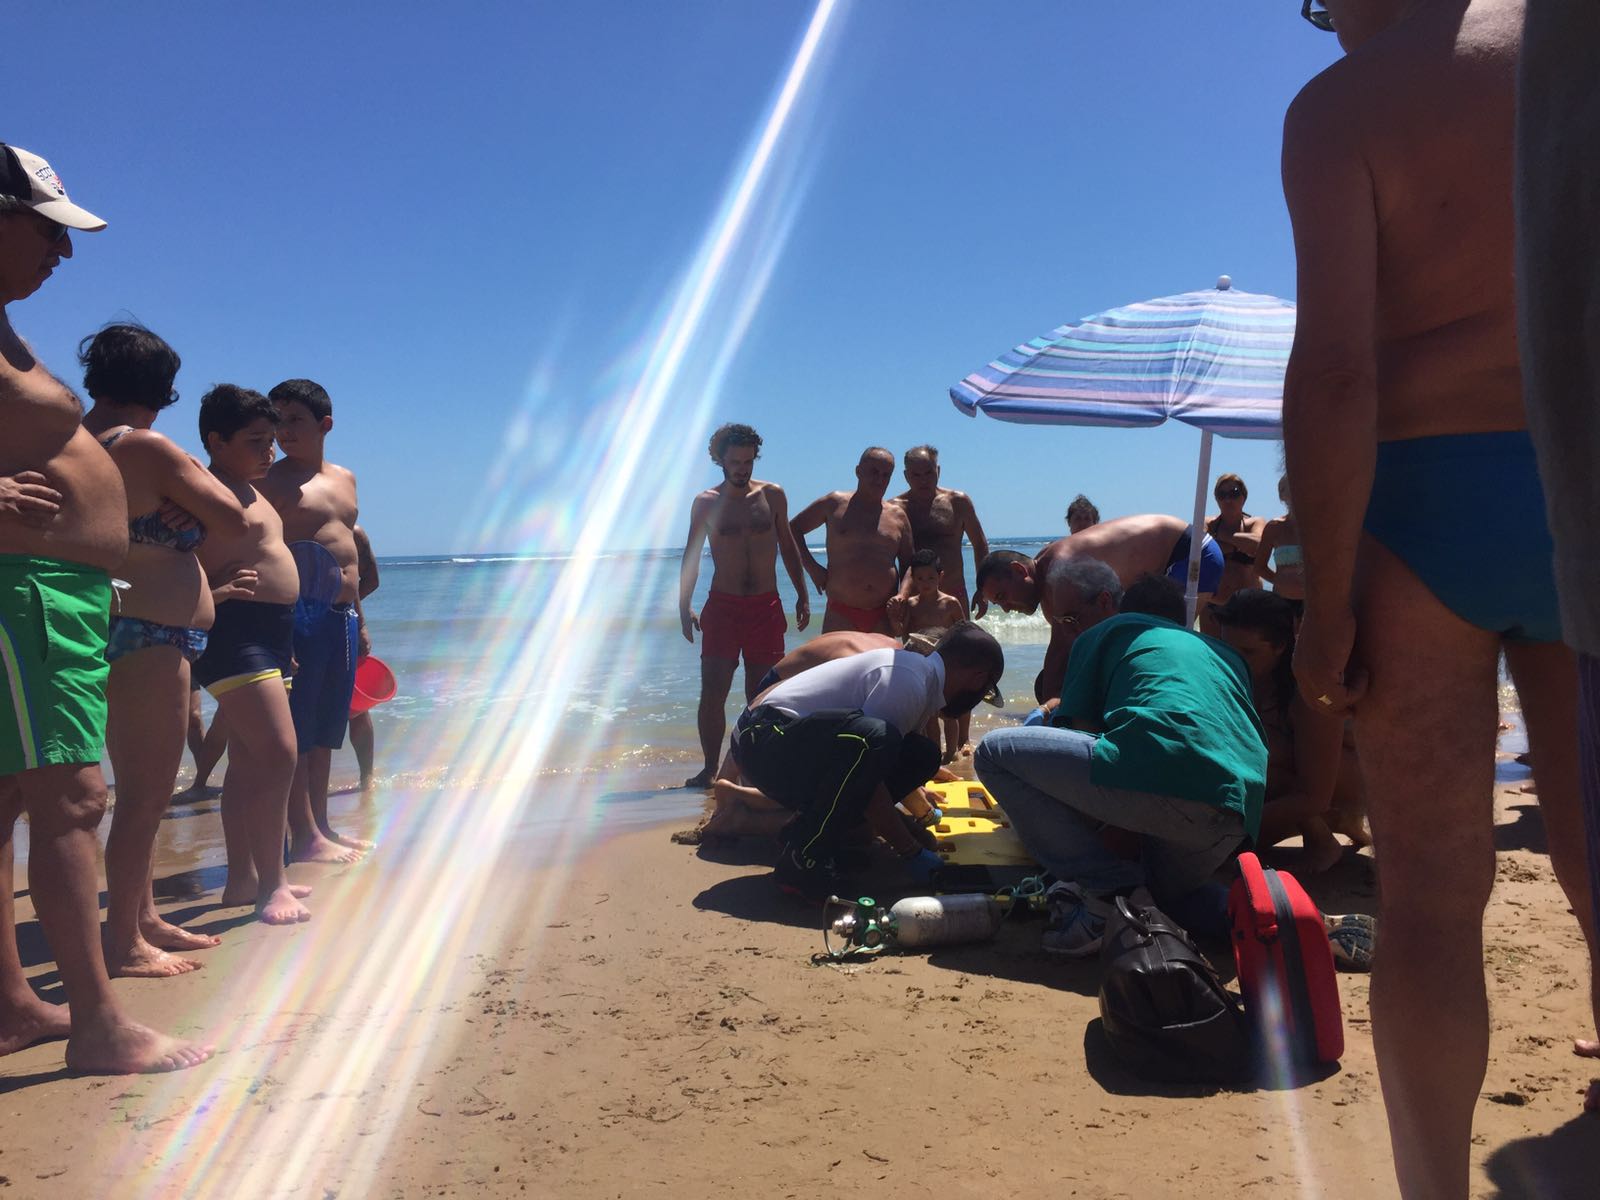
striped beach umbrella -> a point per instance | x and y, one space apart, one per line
1213 359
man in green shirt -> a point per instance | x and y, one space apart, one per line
1155 735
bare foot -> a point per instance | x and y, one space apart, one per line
195 793
1584 1048
320 850
143 961
248 891
30 1022
1322 849
165 936
354 843
702 780
128 1048
282 907
1354 828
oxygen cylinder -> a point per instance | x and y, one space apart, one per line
919 921
865 928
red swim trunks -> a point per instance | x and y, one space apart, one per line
753 625
862 620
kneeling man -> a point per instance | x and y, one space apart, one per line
1155 735
841 743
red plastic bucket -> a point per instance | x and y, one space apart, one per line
375 683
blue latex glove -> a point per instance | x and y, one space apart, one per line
923 865
1037 717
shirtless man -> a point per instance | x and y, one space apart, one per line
1402 411
317 501
940 517
249 654
869 545
63 530
747 520
1130 546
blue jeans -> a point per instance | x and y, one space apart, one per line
1040 777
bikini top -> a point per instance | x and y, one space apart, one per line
152 528
1287 556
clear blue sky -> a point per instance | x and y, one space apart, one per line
467 221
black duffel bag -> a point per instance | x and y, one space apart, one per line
1165 1011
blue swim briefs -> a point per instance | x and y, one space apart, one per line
1465 512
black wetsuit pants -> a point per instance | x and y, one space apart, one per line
825 768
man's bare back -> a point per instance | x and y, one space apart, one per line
1423 113
319 505
1130 546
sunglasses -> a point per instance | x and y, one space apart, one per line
1321 17
54 231
1232 493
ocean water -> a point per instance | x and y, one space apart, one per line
569 707
629 716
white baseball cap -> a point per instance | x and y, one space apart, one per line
27 177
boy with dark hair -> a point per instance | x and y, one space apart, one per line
317 502
929 607
249 653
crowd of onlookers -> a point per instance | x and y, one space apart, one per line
132 577
1431 537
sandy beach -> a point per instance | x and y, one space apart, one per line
627 1017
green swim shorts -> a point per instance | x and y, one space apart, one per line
53 618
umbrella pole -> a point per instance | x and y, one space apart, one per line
1197 532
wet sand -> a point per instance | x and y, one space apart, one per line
627 1017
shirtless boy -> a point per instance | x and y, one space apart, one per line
869 544
63 530
249 654
747 522
940 517
317 501
1130 546
930 607
1402 410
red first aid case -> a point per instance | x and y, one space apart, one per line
1280 947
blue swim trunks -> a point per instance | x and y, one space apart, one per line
1465 512
1211 562
319 701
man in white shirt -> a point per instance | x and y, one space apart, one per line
841 743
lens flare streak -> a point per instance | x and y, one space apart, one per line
395 961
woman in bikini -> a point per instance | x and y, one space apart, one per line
1278 556
158 627
1238 534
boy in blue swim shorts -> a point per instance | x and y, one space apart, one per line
317 501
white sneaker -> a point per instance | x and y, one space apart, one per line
1077 922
